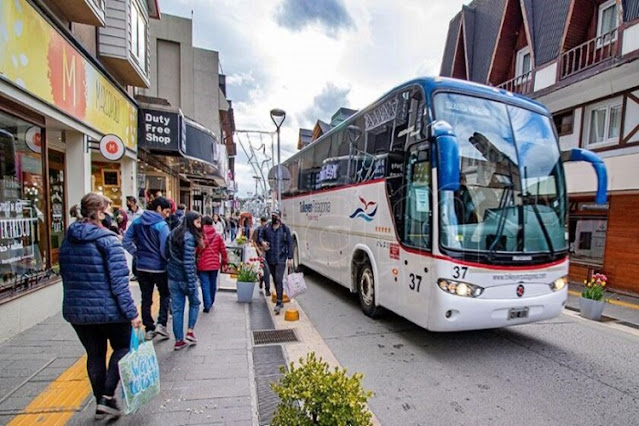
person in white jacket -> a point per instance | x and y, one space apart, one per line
218 225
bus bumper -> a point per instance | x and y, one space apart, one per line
453 313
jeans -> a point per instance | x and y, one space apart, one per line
147 281
233 234
94 339
277 272
208 281
179 292
266 276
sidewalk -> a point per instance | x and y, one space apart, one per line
43 374
621 309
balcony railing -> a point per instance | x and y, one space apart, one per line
589 54
522 84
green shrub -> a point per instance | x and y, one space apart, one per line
312 394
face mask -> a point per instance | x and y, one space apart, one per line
275 219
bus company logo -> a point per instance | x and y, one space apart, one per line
520 290
365 213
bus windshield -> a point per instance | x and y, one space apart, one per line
512 197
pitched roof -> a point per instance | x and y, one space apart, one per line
547 19
630 10
488 15
468 18
305 137
446 69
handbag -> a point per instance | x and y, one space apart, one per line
139 373
294 284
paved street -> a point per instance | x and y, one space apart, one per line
565 371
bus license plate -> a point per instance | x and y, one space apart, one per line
516 313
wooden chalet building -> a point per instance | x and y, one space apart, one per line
579 58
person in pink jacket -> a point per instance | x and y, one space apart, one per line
209 262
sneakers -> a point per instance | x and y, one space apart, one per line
149 335
206 310
267 292
278 308
107 405
180 344
162 331
190 338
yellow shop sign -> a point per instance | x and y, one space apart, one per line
37 58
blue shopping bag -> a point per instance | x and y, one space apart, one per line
139 373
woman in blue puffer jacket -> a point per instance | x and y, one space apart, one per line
97 301
182 274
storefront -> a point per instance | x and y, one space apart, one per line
180 155
59 111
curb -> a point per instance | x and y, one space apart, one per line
309 339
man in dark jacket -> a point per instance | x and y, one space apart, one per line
276 239
145 240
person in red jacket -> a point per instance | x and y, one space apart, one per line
209 264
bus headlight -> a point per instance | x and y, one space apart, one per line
559 284
460 288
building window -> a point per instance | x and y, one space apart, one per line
523 64
588 240
607 23
138 35
603 122
23 221
564 122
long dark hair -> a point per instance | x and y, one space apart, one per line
187 224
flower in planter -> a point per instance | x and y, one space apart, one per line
248 272
595 287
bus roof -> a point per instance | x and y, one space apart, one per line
432 84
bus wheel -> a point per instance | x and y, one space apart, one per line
366 291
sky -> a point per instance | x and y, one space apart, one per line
311 57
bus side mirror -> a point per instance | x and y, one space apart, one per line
578 154
447 155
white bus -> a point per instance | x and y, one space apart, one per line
444 202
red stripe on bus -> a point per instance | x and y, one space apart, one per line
338 188
484 265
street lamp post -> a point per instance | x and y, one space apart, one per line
278 116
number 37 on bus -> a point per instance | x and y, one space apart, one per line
444 201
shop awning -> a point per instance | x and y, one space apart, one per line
167 132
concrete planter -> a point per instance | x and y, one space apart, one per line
591 309
245 291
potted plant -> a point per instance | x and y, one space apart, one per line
592 300
248 274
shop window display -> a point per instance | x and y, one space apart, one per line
22 205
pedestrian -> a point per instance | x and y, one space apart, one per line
246 227
218 225
276 240
146 240
234 226
208 265
173 220
181 209
97 300
120 218
133 211
182 270
265 279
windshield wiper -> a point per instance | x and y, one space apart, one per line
501 220
542 225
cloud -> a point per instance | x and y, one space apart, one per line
330 15
325 104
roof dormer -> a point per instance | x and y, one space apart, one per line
513 57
